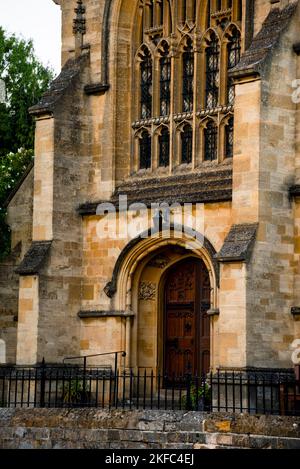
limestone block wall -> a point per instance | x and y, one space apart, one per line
27 336
271 291
98 429
20 221
60 280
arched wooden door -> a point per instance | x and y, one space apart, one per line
186 323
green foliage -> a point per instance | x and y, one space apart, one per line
73 392
25 79
203 399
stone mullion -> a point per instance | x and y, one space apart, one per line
155 149
172 109
166 19
147 15
156 19
235 10
189 11
156 86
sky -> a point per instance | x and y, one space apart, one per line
39 20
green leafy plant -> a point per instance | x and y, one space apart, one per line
199 398
73 392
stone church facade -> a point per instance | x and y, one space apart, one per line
188 104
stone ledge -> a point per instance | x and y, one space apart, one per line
105 314
96 88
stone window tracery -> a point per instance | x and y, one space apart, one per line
183 58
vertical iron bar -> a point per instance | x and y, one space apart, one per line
124 389
29 387
22 388
97 387
173 391
116 363
9 387
56 387
16 388
166 392
110 387
218 387
272 397
226 392
248 393
103 390
145 389
117 390
84 381
233 392
151 395
202 387
264 394
138 389
256 393
241 393
130 389
50 387
43 384
158 390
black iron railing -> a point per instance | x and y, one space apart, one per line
103 387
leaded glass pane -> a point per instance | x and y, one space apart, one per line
164 148
186 144
229 138
212 73
234 55
145 150
188 78
146 86
165 85
211 142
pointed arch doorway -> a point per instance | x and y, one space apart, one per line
186 322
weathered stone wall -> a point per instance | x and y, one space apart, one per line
270 293
97 429
20 221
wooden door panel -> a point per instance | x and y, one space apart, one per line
186 323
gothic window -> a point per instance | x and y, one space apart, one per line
233 54
211 142
146 85
188 77
145 150
164 147
165 83
212 72
229 138
185 51
186 144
